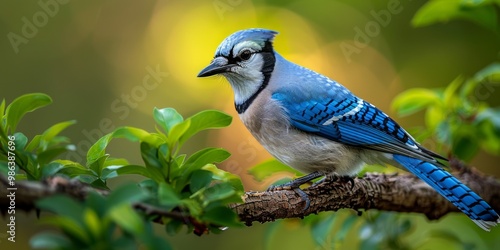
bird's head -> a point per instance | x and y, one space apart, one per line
246 59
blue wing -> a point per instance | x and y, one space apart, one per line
338 115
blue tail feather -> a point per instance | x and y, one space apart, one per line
453 190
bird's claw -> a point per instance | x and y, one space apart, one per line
295 186
330 178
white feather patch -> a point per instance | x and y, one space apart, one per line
351 112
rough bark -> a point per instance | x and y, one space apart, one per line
388 192
396 192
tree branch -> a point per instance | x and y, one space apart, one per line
388 192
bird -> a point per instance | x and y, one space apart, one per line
320 128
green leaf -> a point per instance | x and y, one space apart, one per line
264 170
69 226
114 171
434 117
98 183
489 114
98 165
167 196
48 240
20 141
154 242
105 166
55 129
218 192
489 130
97 203
479 85
180 159
33 144
62 205
345 227
93 222
414 100
173 227
219 174
126 194
271 231
465 147
197 161
222 216
126 217
491 73
200 179
76 172
445 10
206 156
193 206
208 119
116 162
50 154
167 118
130 133
446 234
176 165
451 91
2 112
22 105
72 169
149 155
321 230
166 162
177 131
51 169
31 167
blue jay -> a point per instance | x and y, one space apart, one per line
319 127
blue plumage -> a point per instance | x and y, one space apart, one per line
453 190
317 126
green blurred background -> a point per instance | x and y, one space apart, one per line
108 63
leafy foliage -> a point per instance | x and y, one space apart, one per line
191 187
457 115
33 158
481 12
98 223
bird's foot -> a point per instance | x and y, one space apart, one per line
333 177
295 186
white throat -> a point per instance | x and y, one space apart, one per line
246 79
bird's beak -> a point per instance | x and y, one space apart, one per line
217 66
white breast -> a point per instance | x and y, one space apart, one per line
268 123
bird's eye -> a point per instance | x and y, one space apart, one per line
245 55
